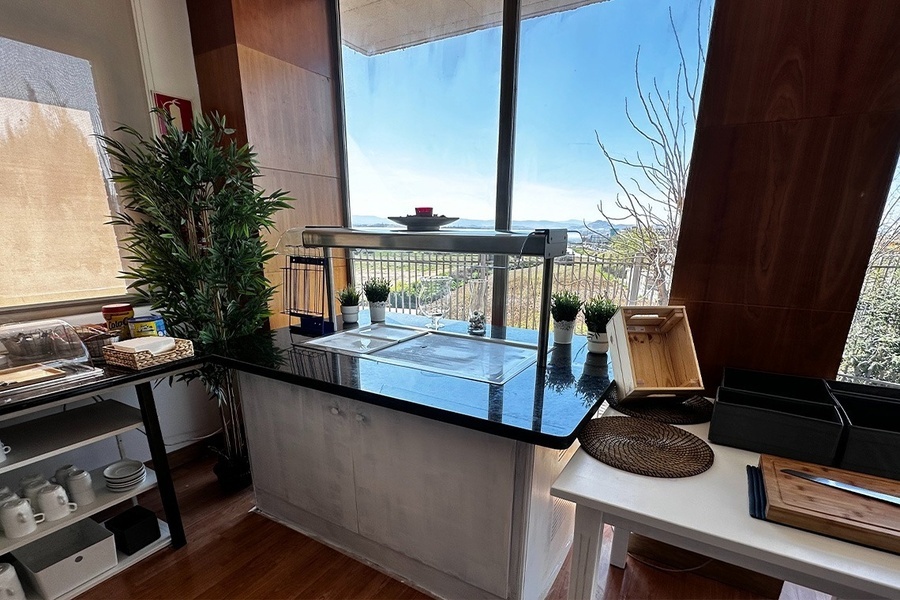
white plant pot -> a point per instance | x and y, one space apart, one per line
350 314
597 343
376 311
563 331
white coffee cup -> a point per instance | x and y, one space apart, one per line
33 488
23 483
62 474
10 586
18 519
81 487
4 450
54 502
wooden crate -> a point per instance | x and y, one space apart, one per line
653 352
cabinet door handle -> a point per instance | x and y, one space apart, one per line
335 410
360 418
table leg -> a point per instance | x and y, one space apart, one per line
619 551
161 463
585 552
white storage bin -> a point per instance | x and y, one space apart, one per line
61 561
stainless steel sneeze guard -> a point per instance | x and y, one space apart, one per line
548 243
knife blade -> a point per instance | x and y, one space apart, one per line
847 487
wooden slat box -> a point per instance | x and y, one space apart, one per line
653 352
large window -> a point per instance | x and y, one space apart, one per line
421 88
54 196
606 96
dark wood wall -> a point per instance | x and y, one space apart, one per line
268 66
797 137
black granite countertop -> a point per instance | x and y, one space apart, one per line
543 407
539 406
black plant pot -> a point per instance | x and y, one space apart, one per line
233 473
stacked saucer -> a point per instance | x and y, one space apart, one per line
124 475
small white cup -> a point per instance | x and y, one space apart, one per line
10 586
32 490
23 483
18 519
54 502
62 474
81 487
4 450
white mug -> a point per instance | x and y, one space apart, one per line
18 519
4 450
33 488
81 487
10 586
54 503
23 483
62 474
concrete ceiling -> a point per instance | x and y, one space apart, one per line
378 26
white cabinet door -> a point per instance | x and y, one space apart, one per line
436 492
299 447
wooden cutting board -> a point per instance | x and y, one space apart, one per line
27 374
807 505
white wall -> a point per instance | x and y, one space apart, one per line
164 39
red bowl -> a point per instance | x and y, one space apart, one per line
424 211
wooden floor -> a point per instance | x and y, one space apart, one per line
233 553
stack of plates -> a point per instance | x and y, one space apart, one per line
124 475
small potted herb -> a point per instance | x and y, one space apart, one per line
377 292
349 299
564 307
597 313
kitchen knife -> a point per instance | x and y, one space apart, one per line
847 487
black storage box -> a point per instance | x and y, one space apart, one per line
134 529
798 429
776 384
873 432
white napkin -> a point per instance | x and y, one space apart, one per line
154 345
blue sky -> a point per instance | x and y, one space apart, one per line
422 122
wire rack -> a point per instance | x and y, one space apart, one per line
305 291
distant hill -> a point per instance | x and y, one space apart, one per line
572 224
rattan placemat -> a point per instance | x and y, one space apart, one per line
688 411
645 447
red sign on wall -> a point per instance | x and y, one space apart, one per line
181 110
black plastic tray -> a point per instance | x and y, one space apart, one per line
873 433
798 429
134 529
776 384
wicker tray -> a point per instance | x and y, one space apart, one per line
144 360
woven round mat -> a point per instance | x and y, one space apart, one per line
689 411
645 447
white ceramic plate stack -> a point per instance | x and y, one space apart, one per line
124 475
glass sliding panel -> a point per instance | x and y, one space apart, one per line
421 92
601 84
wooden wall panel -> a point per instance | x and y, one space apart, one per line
772 197
290 116
212 25
219 78
797 137
295 32
267 65
790 59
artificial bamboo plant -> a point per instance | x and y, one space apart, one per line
193 216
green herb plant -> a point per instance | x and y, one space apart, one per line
348 296
597 313
193 217
564 306
377 290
